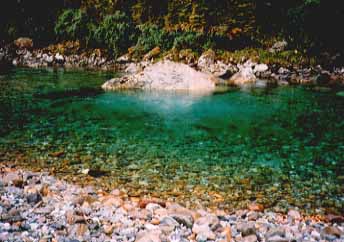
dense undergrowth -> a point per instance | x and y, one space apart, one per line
235 28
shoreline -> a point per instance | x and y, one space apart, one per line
38 206
208 62
272 199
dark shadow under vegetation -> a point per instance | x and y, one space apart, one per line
311 27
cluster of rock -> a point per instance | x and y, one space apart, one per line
206 74
38 58
38 207
249 74
22 54
169 75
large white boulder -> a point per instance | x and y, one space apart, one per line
165 75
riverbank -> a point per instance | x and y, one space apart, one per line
237 68
36 206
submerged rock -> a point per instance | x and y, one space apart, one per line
165 75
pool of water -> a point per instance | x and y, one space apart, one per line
280 147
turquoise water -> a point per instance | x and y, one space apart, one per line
280 147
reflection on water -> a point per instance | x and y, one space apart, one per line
281 147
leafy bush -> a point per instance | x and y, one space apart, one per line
152 36
115 32
89 37
305 24
192 40
72 24
284 58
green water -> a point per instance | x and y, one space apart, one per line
280 147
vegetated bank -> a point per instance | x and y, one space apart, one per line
92 33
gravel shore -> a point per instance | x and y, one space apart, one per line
39 207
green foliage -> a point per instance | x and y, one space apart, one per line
284 58
307 25
72 24
115 32
308 2
197 18
192 40
149 11
151 36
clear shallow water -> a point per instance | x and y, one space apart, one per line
280 147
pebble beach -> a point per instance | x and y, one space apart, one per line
35 206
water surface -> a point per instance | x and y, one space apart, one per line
281 147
